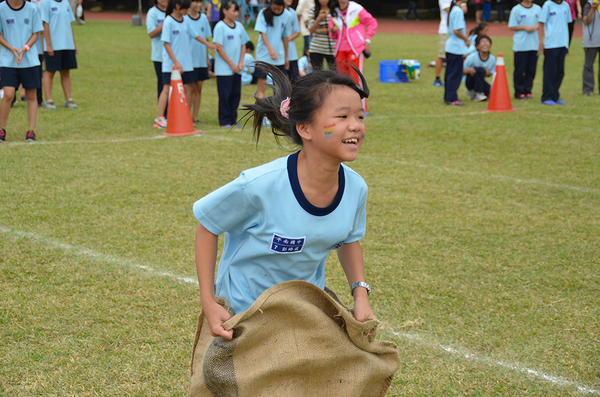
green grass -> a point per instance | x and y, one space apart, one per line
483 231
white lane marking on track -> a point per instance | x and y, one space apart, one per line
91 254
466 355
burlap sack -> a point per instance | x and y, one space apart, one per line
295 340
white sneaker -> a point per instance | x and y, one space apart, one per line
480 97
470 93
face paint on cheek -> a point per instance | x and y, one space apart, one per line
328 129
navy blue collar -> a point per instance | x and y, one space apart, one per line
292 168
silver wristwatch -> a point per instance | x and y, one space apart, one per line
360 284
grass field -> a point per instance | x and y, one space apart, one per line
482 246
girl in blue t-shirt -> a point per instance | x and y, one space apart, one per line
177 36
456 47
281 219
294 30
199 55
229 61
273 30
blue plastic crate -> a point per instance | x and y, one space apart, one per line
392 72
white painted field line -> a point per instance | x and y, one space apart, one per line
400 162
84 142
87 253
466 355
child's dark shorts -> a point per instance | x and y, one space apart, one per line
12 77
201 74
62 60
187 78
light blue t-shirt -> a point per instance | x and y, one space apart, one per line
248 69
295 27
455 45
523 16
304 64
273 234
275 35
17 26
154 19
556 18
179 34
58 15
475 60
232 40
202 27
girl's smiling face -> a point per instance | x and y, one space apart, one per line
277 9
338 128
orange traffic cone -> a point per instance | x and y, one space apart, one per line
499 95
179 119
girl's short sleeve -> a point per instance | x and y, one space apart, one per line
218 36
261 24
151 21
227 209
165 36
243 34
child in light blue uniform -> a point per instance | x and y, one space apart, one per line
60 48
477 67
154 23
246 73
273 27
555 16
456 47
523 21
479 30
199 55
294 31
177 35
229 61
19 30
276 229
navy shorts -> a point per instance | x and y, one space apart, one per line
62 60
187 78
200 74
260 74
12 77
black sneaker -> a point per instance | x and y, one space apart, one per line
30 136
2 134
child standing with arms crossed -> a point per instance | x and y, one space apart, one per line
177 36
60 49
456 47
309 197
555 17
199 55
229 61
523 20
20 25
272 25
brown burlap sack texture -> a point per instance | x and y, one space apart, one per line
295 340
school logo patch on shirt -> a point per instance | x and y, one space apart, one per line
287 245
175 32
552 13
230 37
54 9
10 21
160 21
26 21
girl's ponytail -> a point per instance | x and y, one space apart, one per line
477 29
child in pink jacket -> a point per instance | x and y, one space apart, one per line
352 27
